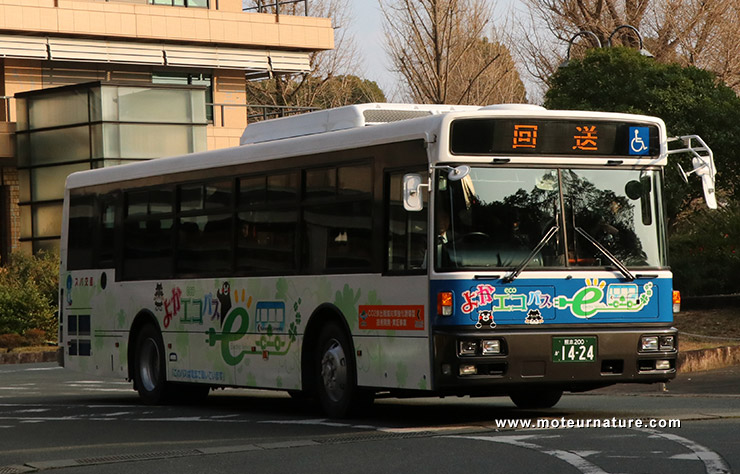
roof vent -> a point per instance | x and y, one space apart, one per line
373 116
341 118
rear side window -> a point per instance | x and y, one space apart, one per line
80 240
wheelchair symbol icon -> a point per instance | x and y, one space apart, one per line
638 145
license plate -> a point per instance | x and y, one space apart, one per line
574 349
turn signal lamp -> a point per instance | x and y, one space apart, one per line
444 303
676 301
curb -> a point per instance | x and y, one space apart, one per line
688 361
31 357
708 359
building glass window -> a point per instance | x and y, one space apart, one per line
189 79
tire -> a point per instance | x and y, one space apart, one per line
336 374
150 378
536 399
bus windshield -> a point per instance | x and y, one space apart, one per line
498 217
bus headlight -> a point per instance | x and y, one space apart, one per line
491 347
468 348
667 343
649 344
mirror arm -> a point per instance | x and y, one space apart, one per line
417 190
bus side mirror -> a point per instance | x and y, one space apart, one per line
702 162
703 167
412 199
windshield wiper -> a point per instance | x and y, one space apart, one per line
516 271
620 266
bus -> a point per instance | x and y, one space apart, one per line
381 250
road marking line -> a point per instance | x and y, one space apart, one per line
320 422
584 466
713 462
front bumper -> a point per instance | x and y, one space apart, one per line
527 359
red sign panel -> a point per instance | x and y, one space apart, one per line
392 317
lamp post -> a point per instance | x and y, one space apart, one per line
588 33
643 51
595 39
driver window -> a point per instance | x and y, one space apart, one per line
407 231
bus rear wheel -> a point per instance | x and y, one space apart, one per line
336 381
150 378
536 399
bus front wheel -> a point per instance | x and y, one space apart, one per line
149 366
336 381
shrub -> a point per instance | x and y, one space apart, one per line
10 341
705 252
28 289
34 337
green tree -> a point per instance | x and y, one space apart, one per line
688 99
28 289
703 244
705 252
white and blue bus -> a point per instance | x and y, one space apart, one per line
403 250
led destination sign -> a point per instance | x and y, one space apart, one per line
494 136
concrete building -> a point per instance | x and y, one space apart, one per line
153 57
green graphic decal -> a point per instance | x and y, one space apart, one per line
268 326
228 335
593 298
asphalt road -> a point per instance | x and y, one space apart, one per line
64 422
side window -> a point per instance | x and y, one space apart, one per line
205 228
148 233
268 221
337 219
106 245
80 238
338 236
407 231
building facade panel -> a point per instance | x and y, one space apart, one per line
54 43
158 22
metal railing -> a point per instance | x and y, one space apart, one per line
267 6
254 113
5 107
265 112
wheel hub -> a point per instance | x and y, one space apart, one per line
334 371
